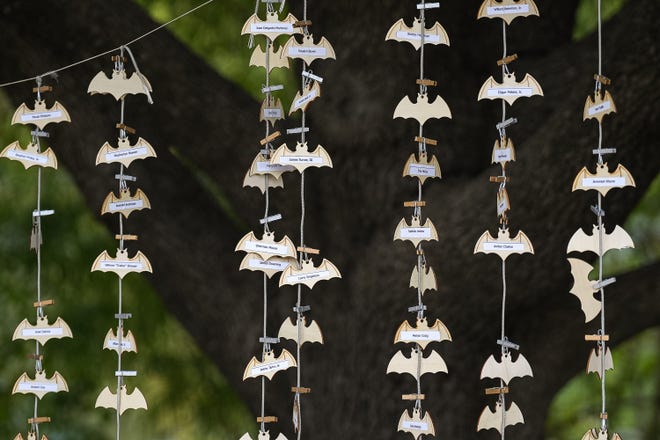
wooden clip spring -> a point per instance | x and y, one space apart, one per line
602 79
426 140
426 82
126 237
32 420
301 390
308 250
603 416
499 179
507 60
596 337
267 419
270 137
125 127
302 23
412 397
42 89
118 58
45 302
497 390
414 203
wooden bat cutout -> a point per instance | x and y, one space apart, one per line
40 115
399 31
30 436
111 342
30 155
269 364
308 333
305 96
428 279
135 400
118 85
275 58
583 288
40 385
593 365
121 264
507 10
507 369
510 89
42 331
598 106
503 153
125 203
493 419
271 110
617 239
504 245
422 110
301 158
421 333
125 153
423 169
415 233
262 181
309 274
598 434
402 364
270 267
267 247
262 166
307 50
263 435
416 425
271 27
603 180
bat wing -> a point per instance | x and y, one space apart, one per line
330 51
441 34
262 182
489 84
581 242
397 232
246 436
582 288
399 26
594 363
275 58
143 261
514 415
401 364
60 382
491 369
111 342
530 81
490 419
439 109
441 328
404 109
30 156
270 267
581 175
106 399
428 279
312 333
480 246
288 330
333 272
248 369
321 152
622 171
519 368
433 364
522 238
404 327
135 400
304 97
242 244
97 263
23 378
434 233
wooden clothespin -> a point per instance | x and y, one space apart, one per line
499 179
506 60
270 138
42 89
33 420
301 390
596 337
497 390
125 127
308 250
127 237
267 419
302 23
45 302
426 140
426 82
602 79
414 203
116 58
412 397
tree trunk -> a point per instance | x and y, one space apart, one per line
202 125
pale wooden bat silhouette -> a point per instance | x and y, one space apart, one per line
42 331
30 155
422 333
493 419
415 424
119 85
308 333
269 364
308 51
40 385
506 369
617 239
403 33
598 106
510 89
603 180
507 10
125 153
583 288
40 115
125 203
308 274
107 399
504 245
422 110
272 27
301 158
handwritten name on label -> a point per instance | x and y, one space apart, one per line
272 113
276 249
265 167
131 152
502 206
107 264
40 116
125 345
272 265
271 366
505 10
593 182
37 386
301 101
271 27
300 159
604 106
502 154
421 170
417 36
307 276
132 204
316 51
13 154
416 233
493 246
423 335
418 426
510 91
55 331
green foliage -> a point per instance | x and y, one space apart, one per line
586 18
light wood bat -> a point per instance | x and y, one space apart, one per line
275 58
507 10
428 279
271 110
269 365
598 434
262 166
121 264
301 158
504 245
272 27
308 274
30 436
111 342
598 106
423 169
304 97
267 247
42 331
422 110
40 385
401 32
30 155
583 288
125 153
261 181
617 239
135 400
510 89
401 364
308 51
119 85
40 115
415 424
415 232
308 333
503 152
422 333
125 203
603 180
594 362
493 419
506 369
263 435
270 267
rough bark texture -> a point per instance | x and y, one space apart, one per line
353 208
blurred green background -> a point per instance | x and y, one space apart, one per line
188 398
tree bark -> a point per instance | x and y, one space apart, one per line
203 126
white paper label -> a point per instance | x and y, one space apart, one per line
55 331
37 386
276 27
125 345
272 113
417 36
129 204
131 152
421 170
307 51
422 335
419 426
299 278
269 367
122 265
305 99
509 9
510 91
596 182
603 106
40 116
268 264
416 233
13 154
269 248
494 246
300 159
266 167
501 207
502 155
